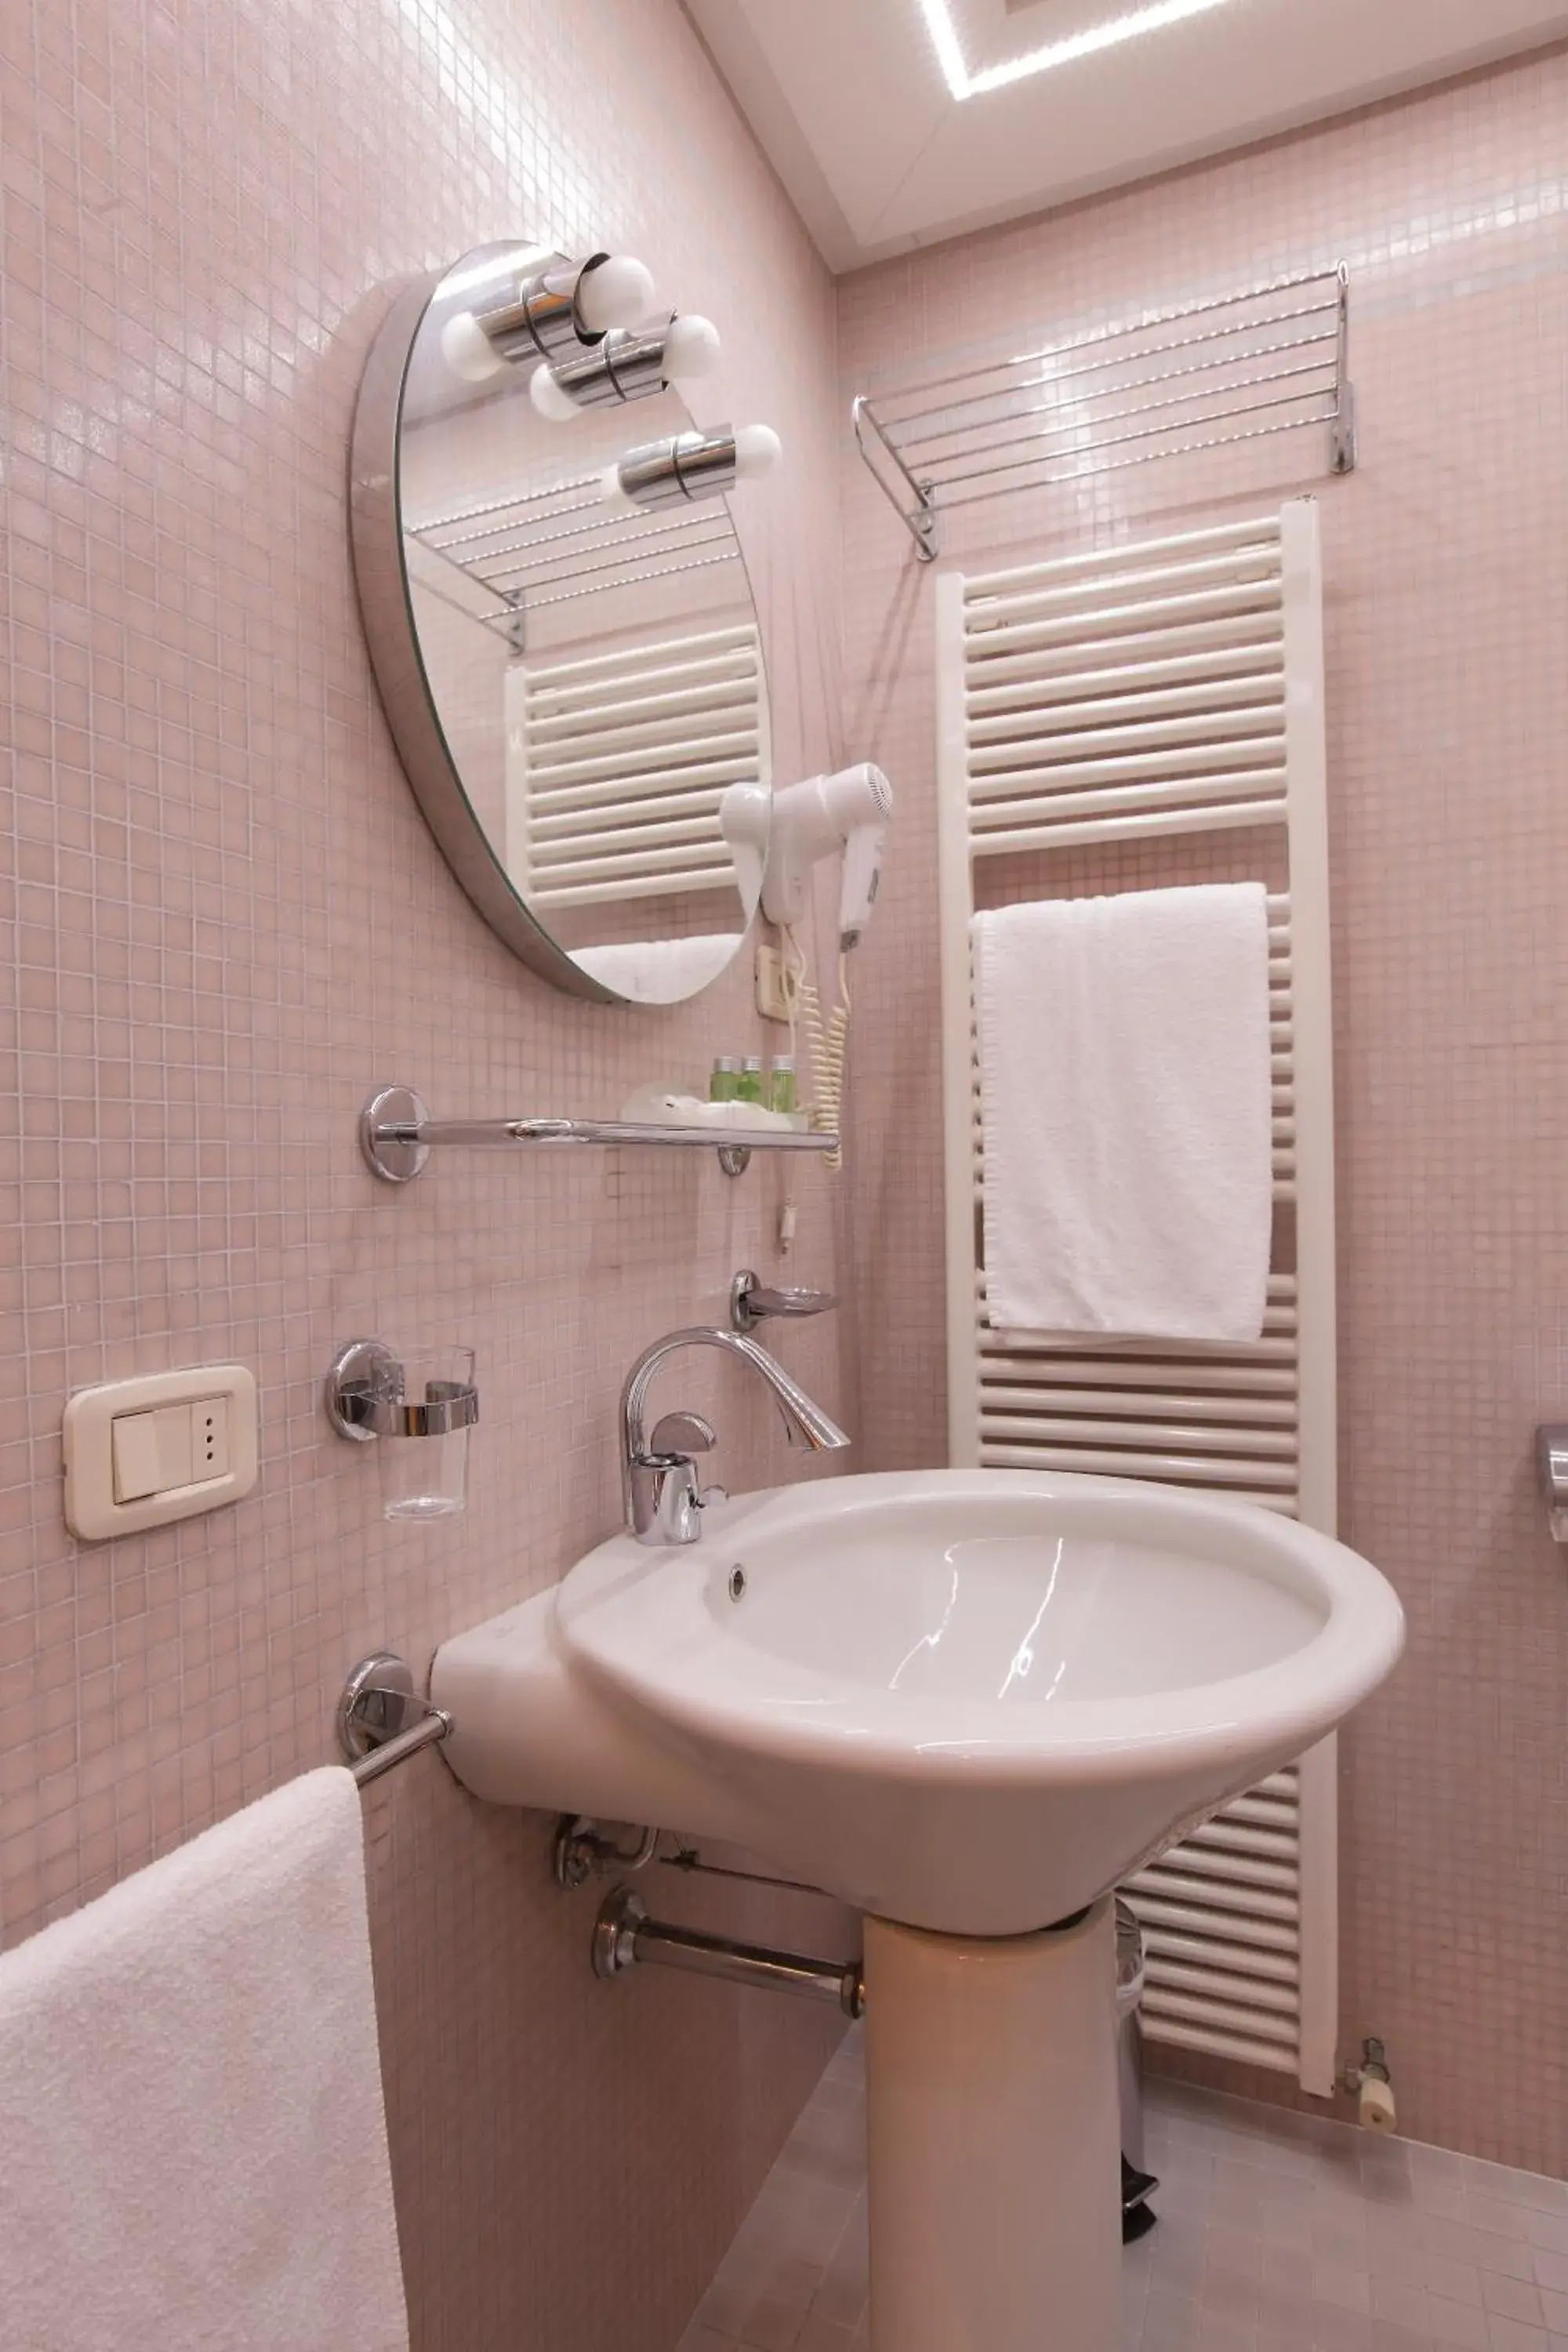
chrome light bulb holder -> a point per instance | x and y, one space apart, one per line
554 313
684 468
625 364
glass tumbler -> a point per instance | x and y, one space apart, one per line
424 1456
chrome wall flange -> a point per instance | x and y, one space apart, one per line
395 1156
380 1718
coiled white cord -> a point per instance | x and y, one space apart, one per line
827 1042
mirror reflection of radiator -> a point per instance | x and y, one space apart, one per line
617 764
1149 714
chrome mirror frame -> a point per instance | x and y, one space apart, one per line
403 682
376 511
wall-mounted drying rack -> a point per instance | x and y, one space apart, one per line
1273 359
397 1134
557 545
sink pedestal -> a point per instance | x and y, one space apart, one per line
994 2139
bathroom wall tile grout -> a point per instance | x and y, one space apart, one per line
226 922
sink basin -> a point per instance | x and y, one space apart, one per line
967 1701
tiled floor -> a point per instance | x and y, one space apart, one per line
1277 2233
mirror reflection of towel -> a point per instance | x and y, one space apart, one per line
658 972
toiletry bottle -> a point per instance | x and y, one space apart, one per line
781 1092
724 1083
749 1086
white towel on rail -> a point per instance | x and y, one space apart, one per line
1126 1112
193 2144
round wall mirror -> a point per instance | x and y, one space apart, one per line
561 621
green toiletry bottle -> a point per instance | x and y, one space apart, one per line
782 1091
725 1082
749 1085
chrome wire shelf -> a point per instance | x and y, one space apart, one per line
557 545
1274 359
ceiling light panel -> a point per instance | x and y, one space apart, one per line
1110 34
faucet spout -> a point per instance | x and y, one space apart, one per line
661 1520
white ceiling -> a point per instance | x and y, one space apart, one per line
853 105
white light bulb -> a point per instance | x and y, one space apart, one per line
611 492
758 452
691 349
615 293
468 350
551 398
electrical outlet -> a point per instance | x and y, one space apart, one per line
209 1438
163 1447
775 985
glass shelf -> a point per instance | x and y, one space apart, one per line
397 1136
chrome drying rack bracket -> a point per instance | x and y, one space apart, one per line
397 1135
1244 367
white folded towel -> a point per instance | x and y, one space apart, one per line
1125 1105
193 2143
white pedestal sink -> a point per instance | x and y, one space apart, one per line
969 1703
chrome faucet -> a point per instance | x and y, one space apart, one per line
658 1475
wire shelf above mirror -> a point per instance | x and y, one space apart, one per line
556 545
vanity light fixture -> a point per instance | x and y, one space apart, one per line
556 313
624 365
1110 34
685 467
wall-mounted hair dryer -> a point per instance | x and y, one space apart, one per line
850 812
847 813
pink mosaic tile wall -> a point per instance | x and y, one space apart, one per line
1447 619
225 923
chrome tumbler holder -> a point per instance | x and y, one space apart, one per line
365 1398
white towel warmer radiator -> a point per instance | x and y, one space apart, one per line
1112 704
618 762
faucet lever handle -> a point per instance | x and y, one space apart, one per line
683 1433
752 1303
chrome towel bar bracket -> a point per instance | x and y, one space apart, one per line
381 1718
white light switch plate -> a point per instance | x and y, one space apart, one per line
172 1444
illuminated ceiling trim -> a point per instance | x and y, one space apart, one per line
1107 34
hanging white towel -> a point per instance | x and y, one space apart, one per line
1125 1107
193 2143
